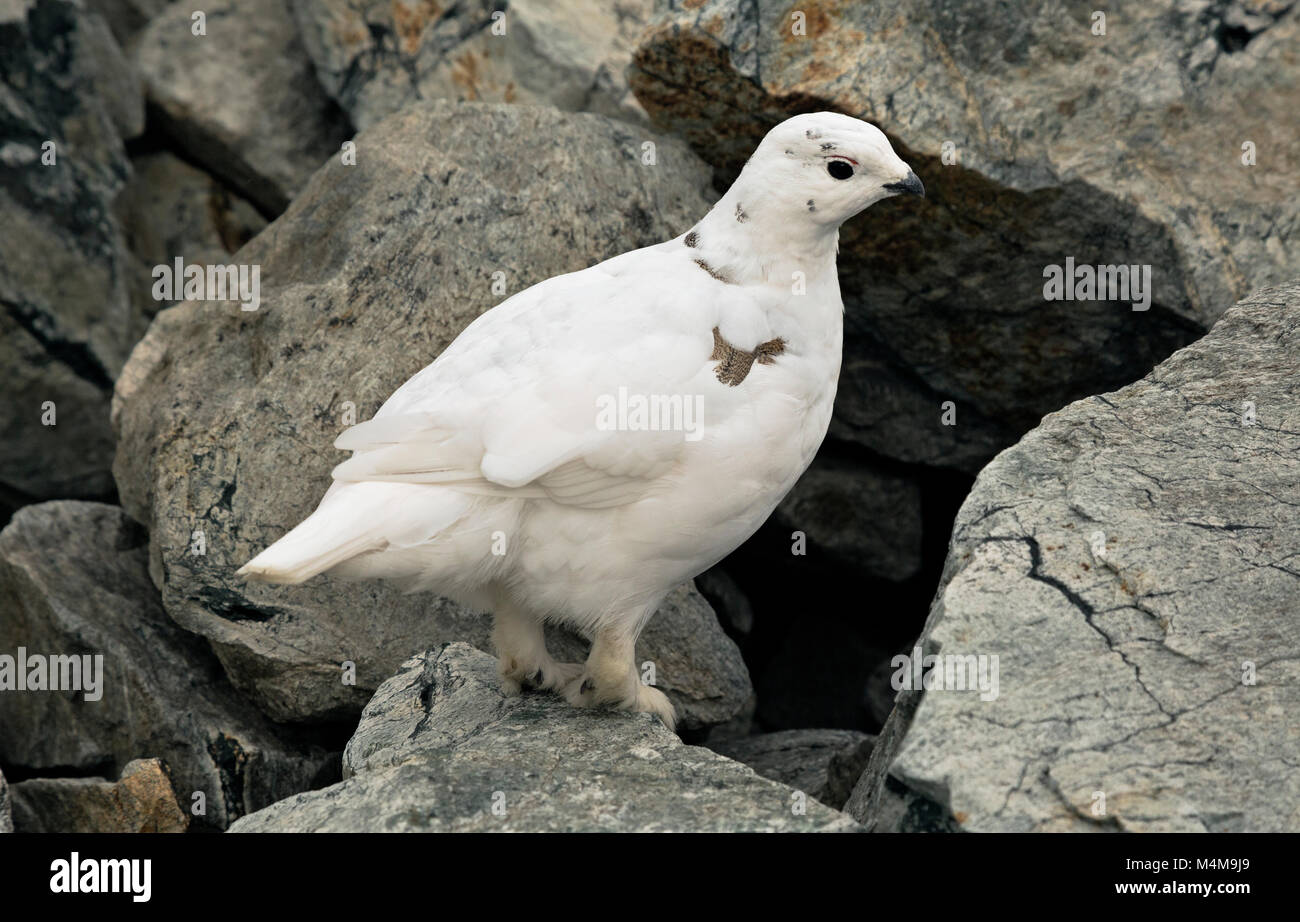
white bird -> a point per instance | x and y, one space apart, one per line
597 439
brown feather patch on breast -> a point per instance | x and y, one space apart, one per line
734 364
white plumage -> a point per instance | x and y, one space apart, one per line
491 476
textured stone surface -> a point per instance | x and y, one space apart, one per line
1133 563
439 745
372 271
861 518
822 763
74 582
1115 149
374 56
169 209
66 322
243 99
142 800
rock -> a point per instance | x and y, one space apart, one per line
845 768
439 748
374 57
241 99
1123 148
803 759
127 17
369 274
727 599
74 582
170 209
68 99
142 800
1131 563
861 518
6 807
879 694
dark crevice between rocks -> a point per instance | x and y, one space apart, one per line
162 135
104 768
821 629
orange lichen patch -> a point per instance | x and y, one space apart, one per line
510 92
464 73
715 26
960 817
351 30
819 21
818 70
692 4
409 22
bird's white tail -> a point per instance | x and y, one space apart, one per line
355 519
306 551
334 533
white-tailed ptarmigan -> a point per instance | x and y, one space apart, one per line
597 439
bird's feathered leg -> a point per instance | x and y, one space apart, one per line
610 678
522 657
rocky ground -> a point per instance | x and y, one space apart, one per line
1105 498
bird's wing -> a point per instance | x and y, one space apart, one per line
514 405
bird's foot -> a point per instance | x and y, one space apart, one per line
543 675
583 691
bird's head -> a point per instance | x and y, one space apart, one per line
827 167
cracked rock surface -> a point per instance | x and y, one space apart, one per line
1134 562
375 56
440 749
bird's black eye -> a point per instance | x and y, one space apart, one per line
839 169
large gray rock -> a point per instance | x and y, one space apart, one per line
371 272
66 322
440 749
241 99
824 764
1132 562
1123 148
74 582
142 800
374 56
170 209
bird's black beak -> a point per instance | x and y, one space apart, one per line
911 184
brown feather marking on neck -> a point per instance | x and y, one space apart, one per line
712 271
734 364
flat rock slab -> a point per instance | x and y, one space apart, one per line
440 749
242 97
142 800
1134 564
824 763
